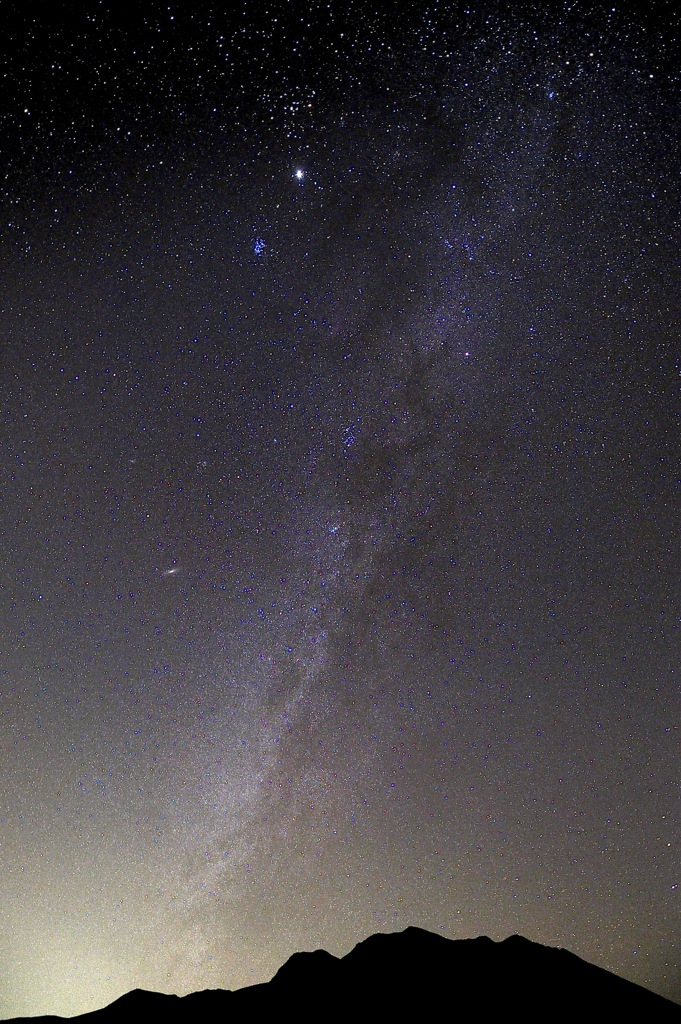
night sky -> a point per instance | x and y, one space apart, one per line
340 580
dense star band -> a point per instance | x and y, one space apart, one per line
339 522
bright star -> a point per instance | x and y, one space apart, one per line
300 174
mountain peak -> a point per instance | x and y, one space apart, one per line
300 965
402 975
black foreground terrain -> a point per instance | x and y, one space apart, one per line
410 975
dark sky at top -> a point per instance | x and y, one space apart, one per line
339 487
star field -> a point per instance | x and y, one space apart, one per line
339 556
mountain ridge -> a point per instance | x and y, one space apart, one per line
404 973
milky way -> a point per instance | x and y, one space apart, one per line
340 556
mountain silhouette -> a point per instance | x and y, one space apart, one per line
404 975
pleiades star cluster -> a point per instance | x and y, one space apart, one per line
340 582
